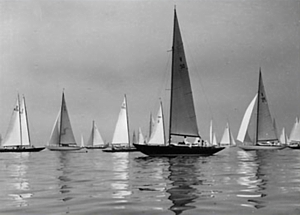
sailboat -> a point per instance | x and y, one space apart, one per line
95 141
294 140
17 138
62 137
212 135
227 138
183 122
141 139
265 131
121 139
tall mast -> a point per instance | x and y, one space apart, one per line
172 71
25 108
61 112
258 101
19 112
127 119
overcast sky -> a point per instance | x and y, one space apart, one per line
99 50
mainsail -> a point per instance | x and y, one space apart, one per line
62 132
158 134
95 138
183 120
18 131
121 133
227 138
265 127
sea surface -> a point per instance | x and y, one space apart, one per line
93 182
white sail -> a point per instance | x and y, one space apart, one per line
141 137
82 142
225 140
95 137
54 137
24 124
214 141
13 134
62 133
246 120
283 137
295 132
211 132
121 133
158 134
233 143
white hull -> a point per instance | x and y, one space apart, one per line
252 148
63 148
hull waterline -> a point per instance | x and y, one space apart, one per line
31 149
63 148
253 148
173 150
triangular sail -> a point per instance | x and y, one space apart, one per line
246 120
211 132
141 139
54 137
95 137
183 120
214 141
283 138
82 142
265 127
233 143
121 133
13 134
158 134
24 124
66 132
295 132
226 138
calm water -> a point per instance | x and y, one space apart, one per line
231 182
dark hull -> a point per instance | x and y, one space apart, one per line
294 147
33 149
253 148
120 150
173 150
96 147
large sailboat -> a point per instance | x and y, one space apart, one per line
62 137
121 137
17 138
95 141
183 122
265 130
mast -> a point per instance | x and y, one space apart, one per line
61 112
19 112
172 76
162 115
127 120
257 112
25 108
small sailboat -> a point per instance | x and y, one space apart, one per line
227 138
17 138
62 137
294 140
82 142
183 122
265 131
141 139
95 141
283 138
121 139
212 135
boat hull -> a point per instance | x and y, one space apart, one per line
294 147
176 150
111 150
253 148
29 149
96 147
63 148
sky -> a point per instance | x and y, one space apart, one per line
99 50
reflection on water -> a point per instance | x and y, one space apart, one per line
64 179
18 171
183 178
120 178
252 177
